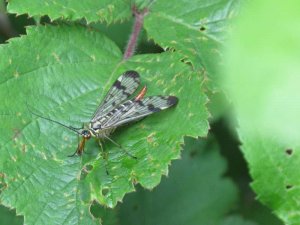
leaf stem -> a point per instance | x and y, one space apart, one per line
137 26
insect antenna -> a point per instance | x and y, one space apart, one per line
54 121
120 146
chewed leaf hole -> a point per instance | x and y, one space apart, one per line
105 191
83 174
89 168
289 151
85 171
202 28
289 186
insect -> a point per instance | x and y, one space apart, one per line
119 108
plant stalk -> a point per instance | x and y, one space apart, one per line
137 26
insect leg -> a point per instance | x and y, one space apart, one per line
104 156
73 154
123 149
78 141
80 148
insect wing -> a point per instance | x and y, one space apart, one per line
133 110
121 90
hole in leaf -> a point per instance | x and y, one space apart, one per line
89 168
187 61
288 186
289 151
85 171
105 191
83 174
202 28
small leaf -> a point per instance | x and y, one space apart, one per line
63 72
194 28
91 10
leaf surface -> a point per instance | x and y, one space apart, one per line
91 10
63 72
195 192
196 29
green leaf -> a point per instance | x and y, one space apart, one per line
236 220
63 72
117 32
264 86
91 10
194 193
278 192
194 28
259 213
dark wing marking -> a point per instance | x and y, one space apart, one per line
133 110
121 89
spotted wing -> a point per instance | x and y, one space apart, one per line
121 89
134 110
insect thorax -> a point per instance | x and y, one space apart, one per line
98 132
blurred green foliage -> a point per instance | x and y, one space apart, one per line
210 184
262 80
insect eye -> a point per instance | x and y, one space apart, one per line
86 134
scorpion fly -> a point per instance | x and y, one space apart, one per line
119 108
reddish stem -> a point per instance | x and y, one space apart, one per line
137 26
